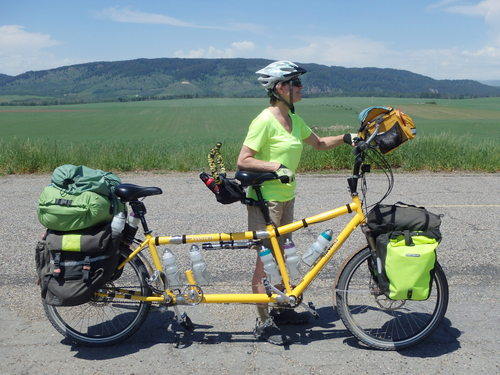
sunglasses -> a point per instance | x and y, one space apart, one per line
296 82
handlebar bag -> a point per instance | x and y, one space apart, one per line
396 127
72 266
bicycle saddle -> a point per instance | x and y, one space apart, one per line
131 192
254 178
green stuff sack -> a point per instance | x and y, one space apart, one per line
79 197
405 264
62 211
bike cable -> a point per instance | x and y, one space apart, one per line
375 156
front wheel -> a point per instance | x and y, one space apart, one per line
106 320
380 322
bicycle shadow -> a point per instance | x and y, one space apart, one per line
443 340
161 328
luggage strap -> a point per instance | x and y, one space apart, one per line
57 264
63 202
86 268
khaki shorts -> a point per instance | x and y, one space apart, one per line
281 213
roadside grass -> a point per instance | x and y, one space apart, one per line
176 135
433 153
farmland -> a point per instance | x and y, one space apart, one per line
176 134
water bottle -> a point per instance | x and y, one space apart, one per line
270 267
170 269
198 266
317 248
133 220
118 223
292 259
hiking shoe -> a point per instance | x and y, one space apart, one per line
282 317
268 331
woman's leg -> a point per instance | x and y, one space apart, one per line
281 213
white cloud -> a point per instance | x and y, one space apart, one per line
488 9
353 51
347 50
235 50
482 63
21 50
15 37
127 15
243 46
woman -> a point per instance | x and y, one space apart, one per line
274 144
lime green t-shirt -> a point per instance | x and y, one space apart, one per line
273 143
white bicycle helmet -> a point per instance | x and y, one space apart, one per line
278 71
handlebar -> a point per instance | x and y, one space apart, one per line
358 151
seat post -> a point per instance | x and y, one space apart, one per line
262 204
139 210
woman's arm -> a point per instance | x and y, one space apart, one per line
324 143
248 162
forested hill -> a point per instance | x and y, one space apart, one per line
173 78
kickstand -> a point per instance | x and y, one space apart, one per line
183 320
310 307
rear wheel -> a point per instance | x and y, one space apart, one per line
380 322
106 320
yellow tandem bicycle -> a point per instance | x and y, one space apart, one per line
120 307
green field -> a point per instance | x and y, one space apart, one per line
176 134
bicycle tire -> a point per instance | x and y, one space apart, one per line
382 323
105 321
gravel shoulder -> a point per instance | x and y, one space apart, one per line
466 342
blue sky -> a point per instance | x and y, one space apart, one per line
443 39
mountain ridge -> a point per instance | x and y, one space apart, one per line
165 78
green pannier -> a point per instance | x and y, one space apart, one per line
406 240
405 264
78 197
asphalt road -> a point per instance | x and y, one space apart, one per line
465 343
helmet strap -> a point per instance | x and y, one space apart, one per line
290 105
280 98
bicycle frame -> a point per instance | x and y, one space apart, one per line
291 294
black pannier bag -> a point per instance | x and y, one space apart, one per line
401 216
72 266
406 241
